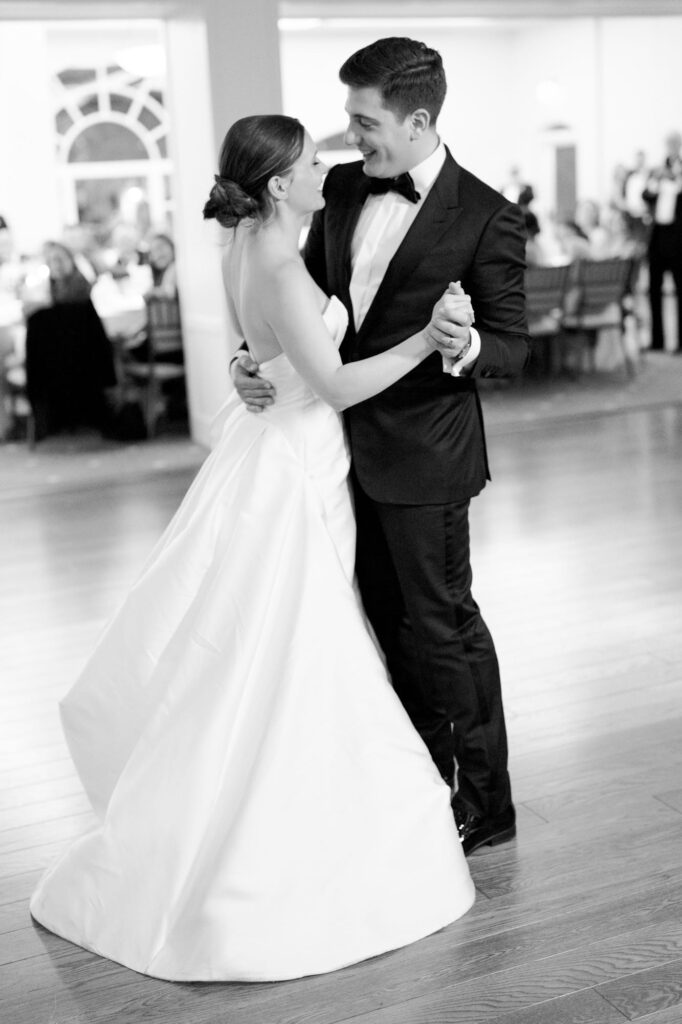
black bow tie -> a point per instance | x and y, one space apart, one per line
403 185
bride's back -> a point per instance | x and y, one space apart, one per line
250 263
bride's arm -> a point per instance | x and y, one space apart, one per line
291 308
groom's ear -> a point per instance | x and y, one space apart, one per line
419 120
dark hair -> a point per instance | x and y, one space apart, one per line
254 149
532 224
575 228
407 73
74 286
158 272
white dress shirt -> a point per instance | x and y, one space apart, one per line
668 190
383 224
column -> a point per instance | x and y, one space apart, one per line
223 63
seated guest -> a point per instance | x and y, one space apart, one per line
162 264
536 250
588 219
622 242
69 358
67 282
164 285
11 322
127 252
572 241
80 240
11 269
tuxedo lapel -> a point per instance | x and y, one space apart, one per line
438 214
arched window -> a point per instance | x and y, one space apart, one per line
111 127
106 141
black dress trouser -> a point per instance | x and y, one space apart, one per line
415 577
665 254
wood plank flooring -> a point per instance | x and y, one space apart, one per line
578 569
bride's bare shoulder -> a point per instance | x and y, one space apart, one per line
286 279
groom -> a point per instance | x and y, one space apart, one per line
387 243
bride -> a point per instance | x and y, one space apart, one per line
267 810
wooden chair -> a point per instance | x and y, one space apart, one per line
162 362
20 408
599 302
545 289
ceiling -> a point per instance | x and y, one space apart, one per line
476 8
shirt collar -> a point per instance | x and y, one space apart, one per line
425 173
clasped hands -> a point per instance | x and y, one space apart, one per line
449 330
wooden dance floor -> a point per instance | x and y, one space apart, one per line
577 552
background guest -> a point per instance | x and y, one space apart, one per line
664 194
11 267
537 254
516 190
69 358
588 219
162 264
573 244
620 241
634 203
128 256
80 240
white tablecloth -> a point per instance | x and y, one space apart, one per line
121 307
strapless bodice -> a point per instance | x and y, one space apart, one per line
279 371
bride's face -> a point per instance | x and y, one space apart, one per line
304 192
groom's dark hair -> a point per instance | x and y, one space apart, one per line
407 73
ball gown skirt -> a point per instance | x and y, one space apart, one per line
267 811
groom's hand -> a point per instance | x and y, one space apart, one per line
449 330
255 392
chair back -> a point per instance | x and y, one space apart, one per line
164 329
164 366
545 288
602 283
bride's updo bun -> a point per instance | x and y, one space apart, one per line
254 150
229 203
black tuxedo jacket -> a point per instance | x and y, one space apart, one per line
422 441
650 198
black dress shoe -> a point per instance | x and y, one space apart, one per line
475 831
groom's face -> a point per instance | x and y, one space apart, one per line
382 138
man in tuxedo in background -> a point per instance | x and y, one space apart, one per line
663 193
397 227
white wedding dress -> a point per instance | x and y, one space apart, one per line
267 809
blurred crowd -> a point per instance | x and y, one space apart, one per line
640 221
66 311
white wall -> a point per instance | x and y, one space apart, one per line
28 177
560 56
642 60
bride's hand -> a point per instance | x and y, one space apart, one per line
255 392
449 329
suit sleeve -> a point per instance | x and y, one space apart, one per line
496 285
